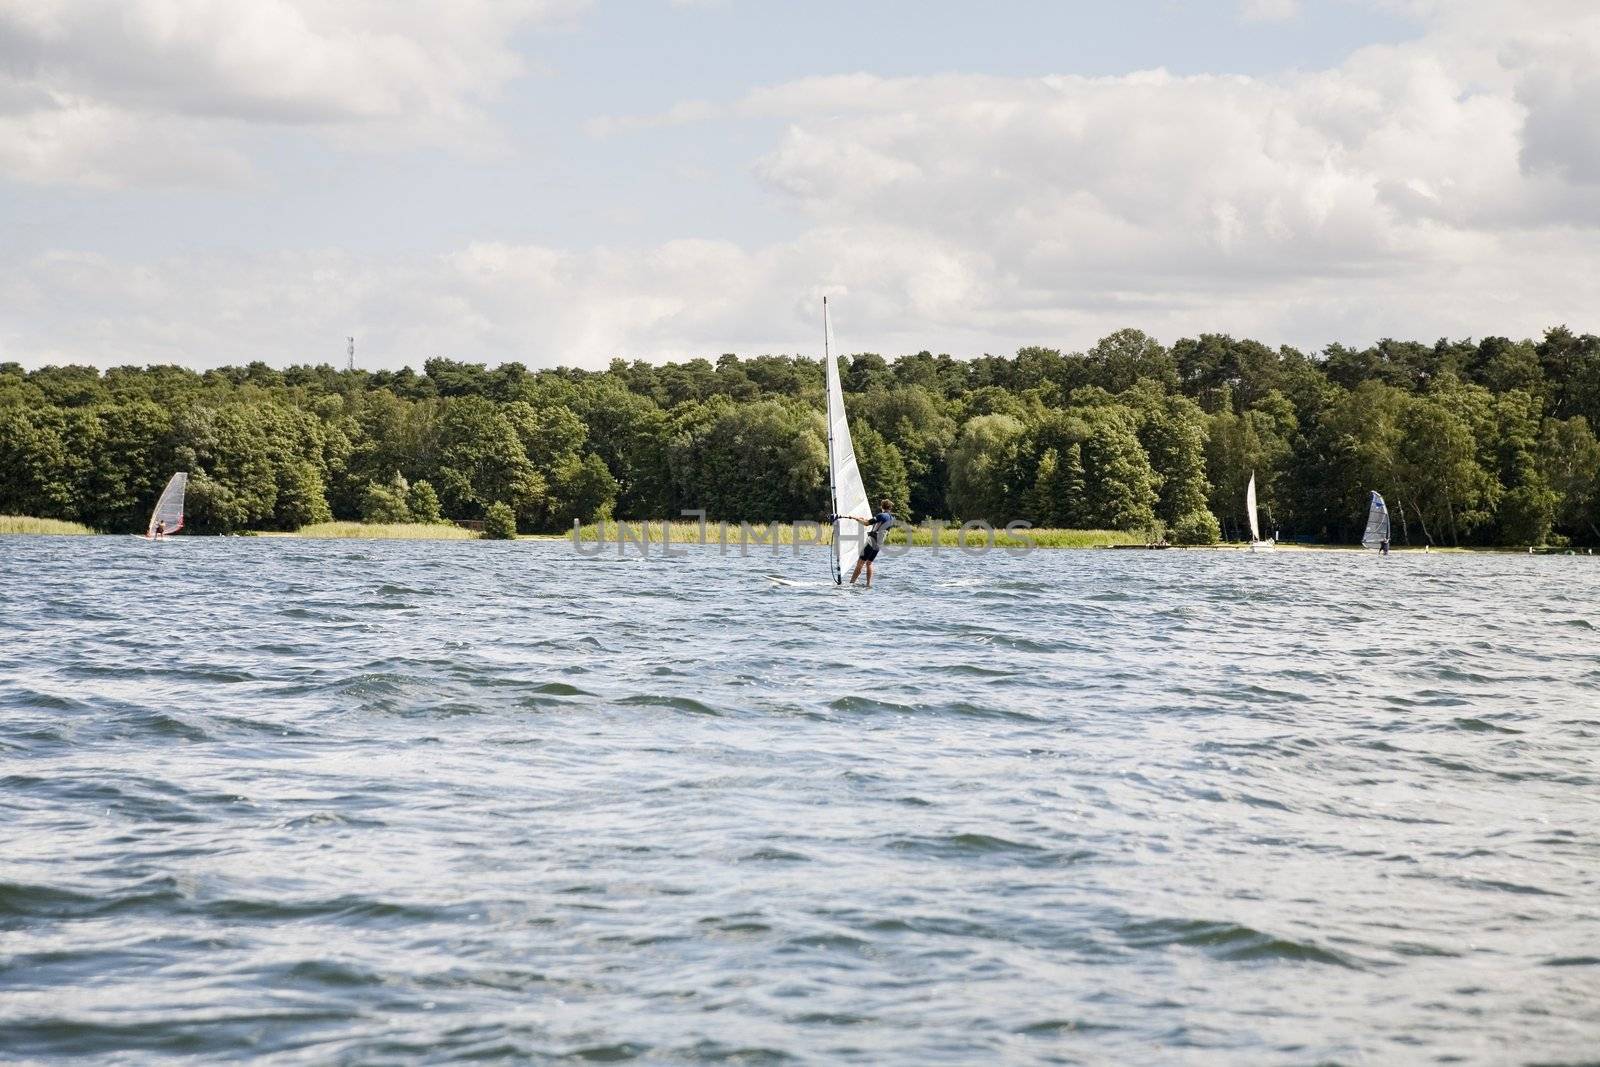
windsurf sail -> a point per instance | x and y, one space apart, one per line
847 496
1377 523
169 509
1250 508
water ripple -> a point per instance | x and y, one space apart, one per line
410 802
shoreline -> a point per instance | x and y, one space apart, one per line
757 536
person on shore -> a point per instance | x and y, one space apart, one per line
877 529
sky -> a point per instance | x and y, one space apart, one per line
564 182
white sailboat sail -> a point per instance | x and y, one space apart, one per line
169 509
1377 530
846 493
1256 543
1250 508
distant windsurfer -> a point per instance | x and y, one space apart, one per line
1383 547
877 529
161 529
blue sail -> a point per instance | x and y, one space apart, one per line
1377 523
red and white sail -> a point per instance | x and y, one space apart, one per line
169 509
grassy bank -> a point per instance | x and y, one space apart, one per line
689 533
395 531
26 524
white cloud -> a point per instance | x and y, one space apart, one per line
1417 190
1447 186
486 301
1091 187
1268 10
1558 82
683 113
99 146
167 78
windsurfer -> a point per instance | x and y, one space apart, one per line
877 529
161 529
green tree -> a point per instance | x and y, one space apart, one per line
423 503
1437 470
1527 507
127 460
1571 367
1119 482
1471 442
301 498
883 471
1570 458
37 474
482 460
1500 365
630 435
499 522
1215 365
229 448
213 507
918 423
582 490
762 461
1172 431
1198 527
1122 358
982 465
1258 442
1354 448
387 502
1058 495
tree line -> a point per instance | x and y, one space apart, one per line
1486 442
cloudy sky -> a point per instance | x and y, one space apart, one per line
565 181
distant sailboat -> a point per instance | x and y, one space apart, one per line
846 493
169 509
1256 543
1377 532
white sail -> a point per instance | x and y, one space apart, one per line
1250 508
846 493
169 509
1377 530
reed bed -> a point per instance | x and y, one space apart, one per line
27 524
691 533
388 531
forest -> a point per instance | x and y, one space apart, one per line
1474 443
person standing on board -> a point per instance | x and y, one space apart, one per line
877 529
1383 547
161 529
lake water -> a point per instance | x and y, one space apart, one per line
384 802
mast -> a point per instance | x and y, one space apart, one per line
827 408
827 355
